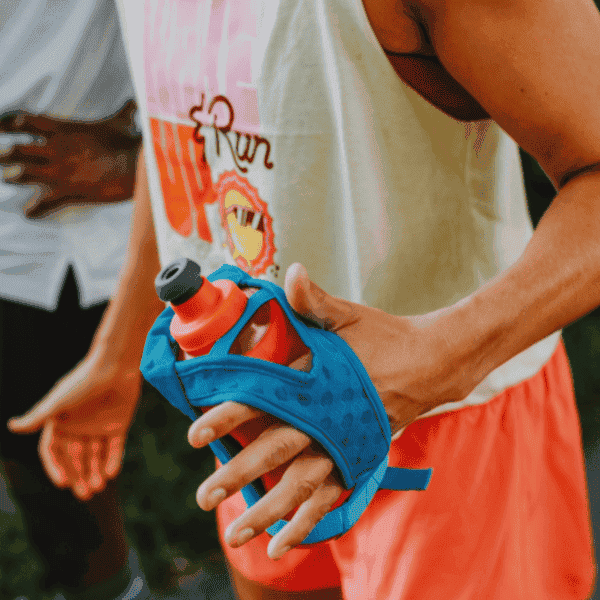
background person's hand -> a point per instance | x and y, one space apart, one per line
72 162
412 368
84 420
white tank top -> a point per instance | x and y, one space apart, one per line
277 131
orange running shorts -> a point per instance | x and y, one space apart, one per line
505 516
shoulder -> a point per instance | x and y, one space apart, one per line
532 65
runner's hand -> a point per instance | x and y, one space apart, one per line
72 162
84 421
403 358
308 482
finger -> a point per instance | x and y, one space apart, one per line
22 174
114 459
300 481
28 154
11 172
34 419
96 481
11 122
51 464
66 393
22 122
308 299
63 458
274 447
45 202
62 451
77 457
219 421
305 519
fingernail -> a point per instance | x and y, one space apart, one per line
244 536
215 497
204 436
280 552
12 171
111 467
95 481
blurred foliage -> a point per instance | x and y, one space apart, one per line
20 567
158 485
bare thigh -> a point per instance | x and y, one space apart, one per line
249 590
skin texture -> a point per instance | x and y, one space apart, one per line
72 162
532 66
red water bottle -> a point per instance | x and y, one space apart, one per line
206 311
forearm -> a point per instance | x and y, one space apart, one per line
556 281
135 305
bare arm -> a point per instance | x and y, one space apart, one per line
536 71
135 306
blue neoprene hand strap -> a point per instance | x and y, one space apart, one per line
335 402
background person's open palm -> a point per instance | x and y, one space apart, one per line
84 420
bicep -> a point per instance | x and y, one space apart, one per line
534 65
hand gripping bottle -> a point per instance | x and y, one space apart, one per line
205 311
333 401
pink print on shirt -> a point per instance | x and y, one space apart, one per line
200 46
197 61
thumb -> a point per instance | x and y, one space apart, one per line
310 301
35 418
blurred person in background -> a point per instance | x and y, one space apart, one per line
68 151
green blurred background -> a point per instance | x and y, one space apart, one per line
162 472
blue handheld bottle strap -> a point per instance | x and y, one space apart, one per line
160 362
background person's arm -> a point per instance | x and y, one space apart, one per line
86 416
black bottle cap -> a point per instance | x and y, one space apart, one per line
178 281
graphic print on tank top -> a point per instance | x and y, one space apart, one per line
202 103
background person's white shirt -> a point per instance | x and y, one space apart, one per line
64 59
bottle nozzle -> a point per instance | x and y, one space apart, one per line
179 281
204 311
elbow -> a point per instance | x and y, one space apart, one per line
574 172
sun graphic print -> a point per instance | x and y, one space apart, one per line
247 223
